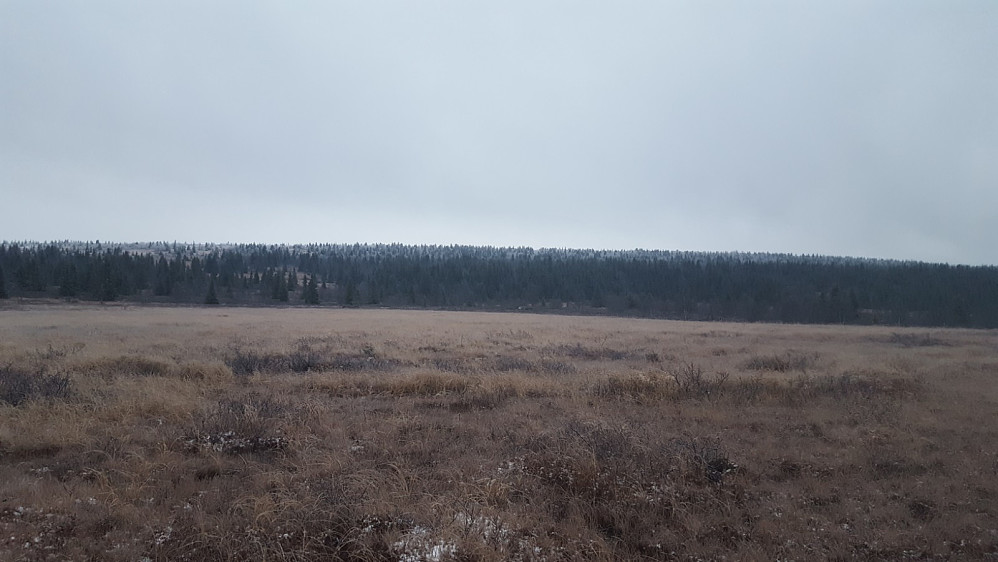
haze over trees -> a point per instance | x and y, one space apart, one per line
665 284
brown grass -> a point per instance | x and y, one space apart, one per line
300 434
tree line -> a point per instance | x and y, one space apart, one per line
661 284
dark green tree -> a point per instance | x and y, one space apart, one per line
279 291
310 294
106 281
351 294
211 297
3 285
164 280
68 284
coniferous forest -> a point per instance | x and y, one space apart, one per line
660 284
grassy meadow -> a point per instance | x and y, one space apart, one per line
167 433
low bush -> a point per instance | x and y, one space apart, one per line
692 382
126 365
245 363
233 427
704 457
915 340
579 351
506 363
18 387
632 386
790 361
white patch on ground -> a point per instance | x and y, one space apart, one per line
417 546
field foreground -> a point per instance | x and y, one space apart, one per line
130 433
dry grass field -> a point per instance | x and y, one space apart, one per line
130 433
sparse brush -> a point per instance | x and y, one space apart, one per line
361 362
915 340
705 457
506 363
17 386
125 365
632 386
244 362
692 382
554 367
790 361
234 427
851 385
53 353
579 351
303 359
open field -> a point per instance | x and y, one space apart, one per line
130 433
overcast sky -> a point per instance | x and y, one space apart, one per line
839 128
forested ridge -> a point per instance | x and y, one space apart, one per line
662 284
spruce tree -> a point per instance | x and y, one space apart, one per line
310 294
3 285
351 294
68 283
211 298
280 289
164 282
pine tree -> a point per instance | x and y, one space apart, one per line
211 298
68 283
164 282
351 294
280 289
310 294
3 285
107 282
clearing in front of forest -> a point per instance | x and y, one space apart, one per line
299 434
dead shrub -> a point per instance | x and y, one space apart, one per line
792 360
705 457
361 362
554 367
127 365
304 358
18 387
234 427
588 459
54 353
308 520
915 340
244 363
922 510
751 389
579 351
692 382
862 385
884 466
506 363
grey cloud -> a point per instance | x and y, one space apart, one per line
846 128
